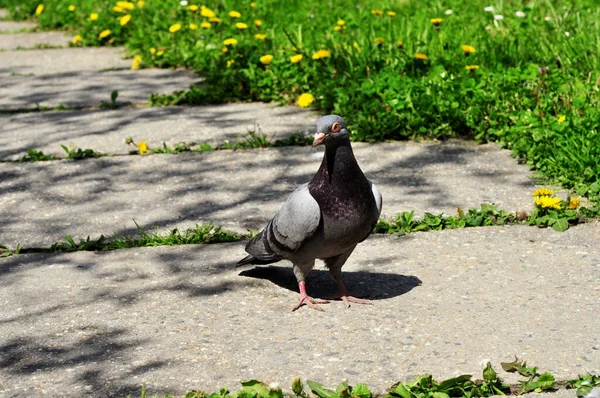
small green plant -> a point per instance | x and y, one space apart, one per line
584 384
461 386
6 251
113 101
551 211
487 215
84 245
295 139
36 156
62 107
535 382
177 148
74 153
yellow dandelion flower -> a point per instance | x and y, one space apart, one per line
205 25
224 50
391 14
467 49
305 100
266 59
379 40
337 28
71 8
118 9
341 22
253 4
104 33
214 20
421 56
141 3
207 13
192 7
125 5
547 202
125 19
39 9
234 14
241 25
471 67
193 26
321 54
174 28
135 64
561 118
230 42
296 58
542 192
230 62
77 39
356 46
160 53
376 12
152 50
436 21
142 147
257 22
400 43
574 203
260 36
93 16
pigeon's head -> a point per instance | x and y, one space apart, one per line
330 128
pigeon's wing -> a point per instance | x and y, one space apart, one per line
378 200
377 212
294 223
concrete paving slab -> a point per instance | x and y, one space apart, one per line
180 318
106 130
12 26
14 41
62 60
90 88
41 202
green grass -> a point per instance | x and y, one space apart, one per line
420 387
536 89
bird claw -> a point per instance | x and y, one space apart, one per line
310 302
351 299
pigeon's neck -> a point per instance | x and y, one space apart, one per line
338 168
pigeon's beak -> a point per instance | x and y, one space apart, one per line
319 138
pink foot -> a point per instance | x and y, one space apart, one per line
306 299
350 299
310 302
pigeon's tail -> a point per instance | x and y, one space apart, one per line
260 251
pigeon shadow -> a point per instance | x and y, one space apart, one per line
371 285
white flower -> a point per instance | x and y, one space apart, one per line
547 18
183 3
443 74
498 17
489 9
520 14
488 27
448 12
567 34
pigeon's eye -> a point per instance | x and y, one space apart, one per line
335 127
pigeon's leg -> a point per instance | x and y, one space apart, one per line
301 270
335 269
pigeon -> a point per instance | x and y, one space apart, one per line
324 219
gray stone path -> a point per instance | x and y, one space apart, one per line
181 318
105 130
42 202
11 27
26 41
